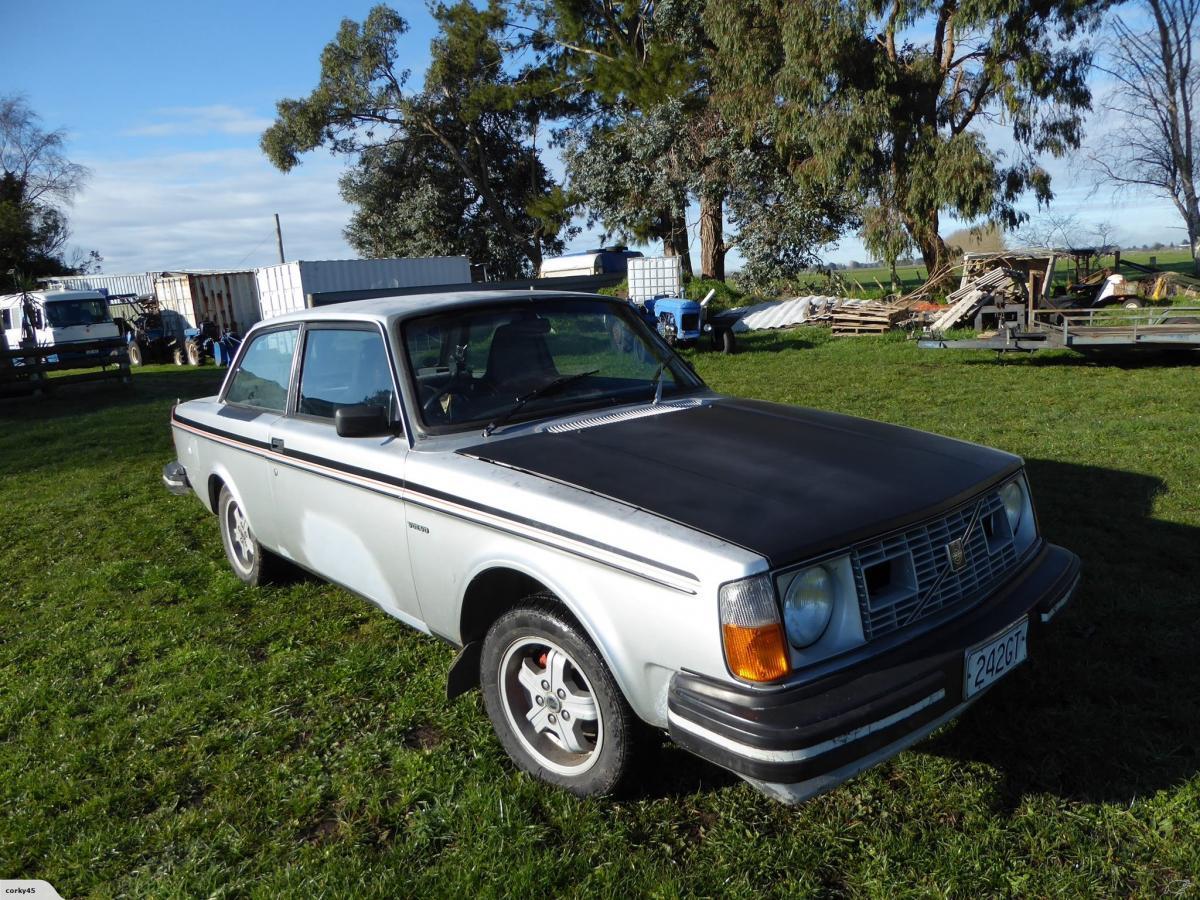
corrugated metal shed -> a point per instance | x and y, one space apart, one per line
139 283
285 287
229 298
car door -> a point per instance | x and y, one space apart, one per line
254 399
338 498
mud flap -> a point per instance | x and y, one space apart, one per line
464 671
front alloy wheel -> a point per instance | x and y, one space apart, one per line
553 703
549 705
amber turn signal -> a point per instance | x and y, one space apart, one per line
757 653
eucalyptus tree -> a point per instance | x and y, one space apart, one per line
647 138
892 99
459 159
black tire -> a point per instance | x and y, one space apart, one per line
135 354
524 642
195 356
1131 303
728 341
250 561
177 356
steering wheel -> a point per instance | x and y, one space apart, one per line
431 407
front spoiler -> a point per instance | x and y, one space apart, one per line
794 742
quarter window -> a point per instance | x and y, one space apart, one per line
262 377
343 367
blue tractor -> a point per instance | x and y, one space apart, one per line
683 322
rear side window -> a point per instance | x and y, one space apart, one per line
262 377
343 367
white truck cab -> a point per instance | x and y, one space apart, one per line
55 318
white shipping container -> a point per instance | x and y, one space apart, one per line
140 283
228 298
285 287
654 276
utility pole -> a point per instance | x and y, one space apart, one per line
279 238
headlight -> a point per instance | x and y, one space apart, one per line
808 606
1013 497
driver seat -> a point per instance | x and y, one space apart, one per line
519 359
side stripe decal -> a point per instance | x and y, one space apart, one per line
433 499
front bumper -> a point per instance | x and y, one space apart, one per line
797 741
175 479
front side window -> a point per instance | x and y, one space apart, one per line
343 367
471 366
262 377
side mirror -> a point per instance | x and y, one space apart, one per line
362 421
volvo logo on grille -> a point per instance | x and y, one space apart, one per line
957 554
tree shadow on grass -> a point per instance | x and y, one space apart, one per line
96 396
772 342
1113 359
1108 707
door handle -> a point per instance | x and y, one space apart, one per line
276 443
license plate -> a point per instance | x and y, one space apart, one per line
990 661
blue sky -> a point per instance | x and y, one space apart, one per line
165 103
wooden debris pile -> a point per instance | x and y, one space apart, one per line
860 316
974 293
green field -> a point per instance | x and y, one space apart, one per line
166 731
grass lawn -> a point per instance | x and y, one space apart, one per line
166 731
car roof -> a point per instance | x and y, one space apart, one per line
391 309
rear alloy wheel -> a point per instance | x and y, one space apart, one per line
553 703
249 561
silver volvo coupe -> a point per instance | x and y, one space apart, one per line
538 479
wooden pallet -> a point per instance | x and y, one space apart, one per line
866 318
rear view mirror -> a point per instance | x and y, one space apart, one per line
362 420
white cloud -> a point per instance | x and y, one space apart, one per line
208 209
193 120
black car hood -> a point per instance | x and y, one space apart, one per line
781 481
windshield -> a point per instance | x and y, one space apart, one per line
473 365
67 313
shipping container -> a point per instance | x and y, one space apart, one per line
113 285
287 287
228 298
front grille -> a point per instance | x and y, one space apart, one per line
898 574
691 321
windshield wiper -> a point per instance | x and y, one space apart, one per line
550 387
658 382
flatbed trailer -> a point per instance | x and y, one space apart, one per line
1088 330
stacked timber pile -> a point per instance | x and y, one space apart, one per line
864 317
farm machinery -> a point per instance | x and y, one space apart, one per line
150 337
656 292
